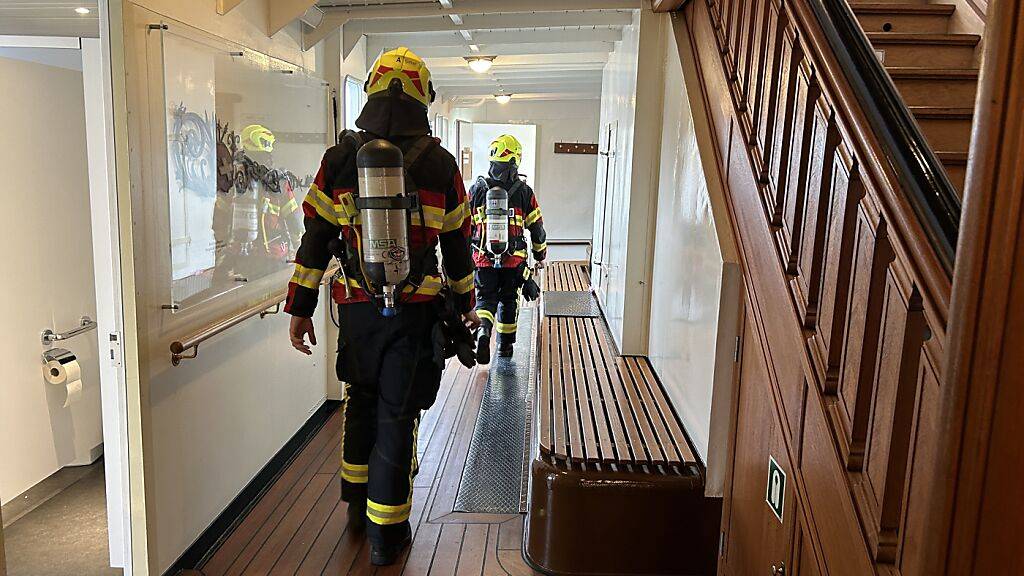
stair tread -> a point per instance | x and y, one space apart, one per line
954 112
911 38
915 72
887 8
951 157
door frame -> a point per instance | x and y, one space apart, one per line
107 273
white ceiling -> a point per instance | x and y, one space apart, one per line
543 49
39 18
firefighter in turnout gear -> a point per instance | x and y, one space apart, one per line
383 200
503 206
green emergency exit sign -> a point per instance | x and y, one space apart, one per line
776 495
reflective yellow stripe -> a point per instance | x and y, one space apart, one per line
533 217
485 315
520 253
355 473
463 285
384 514
307 277
431 286
291 206
507 328
322 203
518 220
540 247
454 219
434 216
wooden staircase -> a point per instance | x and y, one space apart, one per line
935 72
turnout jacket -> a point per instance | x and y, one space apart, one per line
526 216
330 210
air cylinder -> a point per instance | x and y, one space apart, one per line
496 215
385 235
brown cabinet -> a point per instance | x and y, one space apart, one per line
757 539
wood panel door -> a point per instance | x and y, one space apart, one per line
757 540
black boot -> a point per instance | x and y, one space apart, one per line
388 554
505 349
483 346
357 516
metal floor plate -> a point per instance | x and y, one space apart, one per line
577 304
492 481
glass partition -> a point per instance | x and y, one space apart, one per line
245 134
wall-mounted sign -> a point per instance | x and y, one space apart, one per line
575 148
776 495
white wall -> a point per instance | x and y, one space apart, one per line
631 99
48 251
212 423
695 281
564 183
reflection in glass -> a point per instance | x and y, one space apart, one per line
245 134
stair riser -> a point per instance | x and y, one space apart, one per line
952 135
951 93
904 23
930 55
957 175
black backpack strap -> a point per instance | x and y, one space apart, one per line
416 151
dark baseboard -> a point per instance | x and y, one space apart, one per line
222 527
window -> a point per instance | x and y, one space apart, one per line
354 100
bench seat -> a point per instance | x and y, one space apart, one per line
615 487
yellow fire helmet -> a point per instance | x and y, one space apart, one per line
403 65
506 148
256 138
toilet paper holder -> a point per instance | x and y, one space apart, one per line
85 324
55 354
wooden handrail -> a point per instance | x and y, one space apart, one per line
262 309
192 341
924 180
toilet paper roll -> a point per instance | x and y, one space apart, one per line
63 369
66 371
74 392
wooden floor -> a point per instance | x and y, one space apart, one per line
298 528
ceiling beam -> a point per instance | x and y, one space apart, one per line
462 101
471 22
501 50
562 60
518 76
225 6
576 87
406 10
338 16
565 35
281 13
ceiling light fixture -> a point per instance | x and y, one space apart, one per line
480 64
82 10
502 98
474 47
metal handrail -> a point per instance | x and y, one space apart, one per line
86 324
178 347
921 174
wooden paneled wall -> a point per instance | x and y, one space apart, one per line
846 304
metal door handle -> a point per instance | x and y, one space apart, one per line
86 324
779 570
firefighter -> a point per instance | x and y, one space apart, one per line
386 355
501 263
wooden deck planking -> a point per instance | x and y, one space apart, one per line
298 528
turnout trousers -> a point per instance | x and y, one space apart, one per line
497 301
389 373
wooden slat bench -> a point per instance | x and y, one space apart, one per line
615 486
567 276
